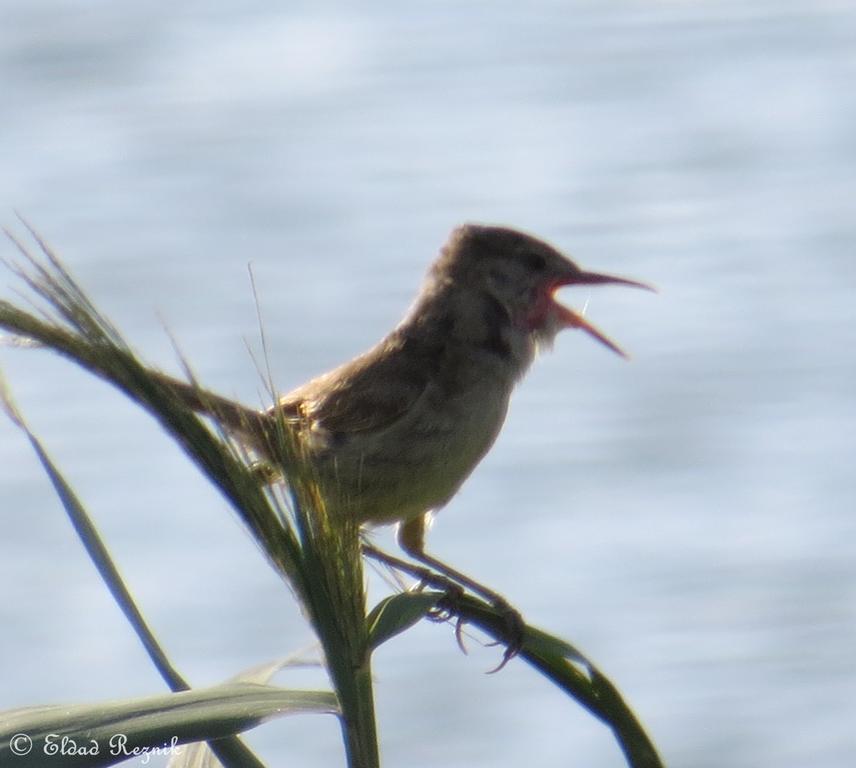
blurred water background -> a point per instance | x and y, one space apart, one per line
685 519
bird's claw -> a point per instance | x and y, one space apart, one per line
514 633
459 636
513 630
445 608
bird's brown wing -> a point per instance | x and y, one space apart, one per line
368 394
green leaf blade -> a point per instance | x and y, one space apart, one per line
90 735
396 614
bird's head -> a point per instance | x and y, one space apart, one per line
522 274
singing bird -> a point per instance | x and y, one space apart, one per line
393 433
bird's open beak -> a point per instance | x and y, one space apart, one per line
571 319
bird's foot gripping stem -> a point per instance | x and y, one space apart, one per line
512 630
451 606
435 573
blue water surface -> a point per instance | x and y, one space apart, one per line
685 519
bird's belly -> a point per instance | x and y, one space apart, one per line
417 466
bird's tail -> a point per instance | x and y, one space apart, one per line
250 426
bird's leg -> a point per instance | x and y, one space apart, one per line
425 576
411 538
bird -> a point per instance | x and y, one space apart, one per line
393 433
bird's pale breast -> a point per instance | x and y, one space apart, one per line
419 462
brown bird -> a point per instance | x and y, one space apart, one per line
393 433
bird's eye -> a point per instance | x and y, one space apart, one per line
534 261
